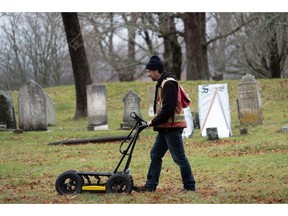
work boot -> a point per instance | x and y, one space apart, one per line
193 189
143 189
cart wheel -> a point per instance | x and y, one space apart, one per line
69 183
82 179
119 183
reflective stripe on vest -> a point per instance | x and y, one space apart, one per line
178 120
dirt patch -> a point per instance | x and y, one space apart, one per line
248 150
214 143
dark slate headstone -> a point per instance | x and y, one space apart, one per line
243 131
131 104
212 133
32 107
284 129
97 107
7 113
249 101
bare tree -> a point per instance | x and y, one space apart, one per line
172 48
31 48
122 45
13 64
127 72
80 67
118 45
252 43
196 47
112 57
269 44
45 51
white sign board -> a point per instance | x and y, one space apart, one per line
188 131
214 109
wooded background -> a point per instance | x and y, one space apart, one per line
194 46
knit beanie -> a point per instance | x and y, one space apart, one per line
155 63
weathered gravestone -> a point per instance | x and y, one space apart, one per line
7 113
32 107
249 101
131 104
51 111
97 107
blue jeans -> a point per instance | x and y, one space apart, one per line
169 139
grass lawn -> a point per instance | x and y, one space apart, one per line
241 169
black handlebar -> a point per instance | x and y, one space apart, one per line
138 119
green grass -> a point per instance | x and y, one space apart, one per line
248 168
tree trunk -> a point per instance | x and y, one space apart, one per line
196 48
82 76
274 57
127 73
172 48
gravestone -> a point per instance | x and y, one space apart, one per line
249 101
284 129
212 133
97 107
51 111
151 93
32 107
131 104
7 113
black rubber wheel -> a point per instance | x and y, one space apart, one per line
82 178
119 183
69 183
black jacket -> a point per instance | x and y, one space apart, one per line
169 96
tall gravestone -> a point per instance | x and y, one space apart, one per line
97 107
32 107
131 104
7 113
249 101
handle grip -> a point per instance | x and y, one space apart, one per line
138 118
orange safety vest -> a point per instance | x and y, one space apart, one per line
178 120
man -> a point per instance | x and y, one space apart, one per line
169 122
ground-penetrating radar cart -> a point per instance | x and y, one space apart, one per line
72 182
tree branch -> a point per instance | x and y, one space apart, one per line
231 32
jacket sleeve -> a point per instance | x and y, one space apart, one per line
169 103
